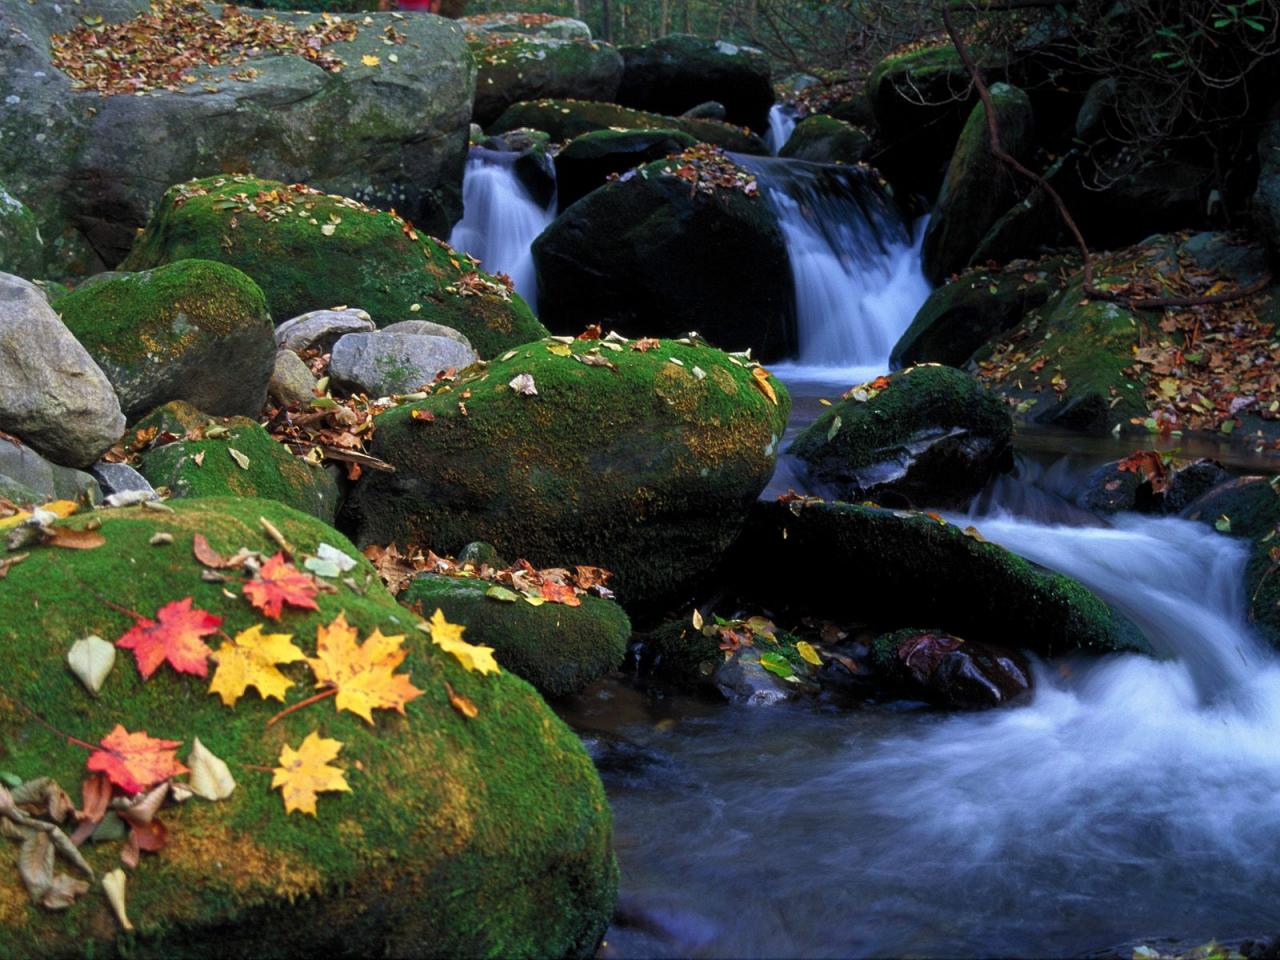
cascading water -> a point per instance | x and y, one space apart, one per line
856 265
1132 798
501 219
782 123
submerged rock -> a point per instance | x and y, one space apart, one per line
483 835
642 461
310 251
951 672
557 648
192 330
925 435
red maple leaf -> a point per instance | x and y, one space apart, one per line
135 761
279 583
174 636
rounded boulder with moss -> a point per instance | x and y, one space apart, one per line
927 435
823 139
231 456
311 251
21 246
514 68
586 162
557 648
193 330
642 460
666 252
461 835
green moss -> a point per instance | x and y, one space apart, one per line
676 653
558 649
645 469
273 472
21 247
567 119
370 259
485 836
822 139
869 565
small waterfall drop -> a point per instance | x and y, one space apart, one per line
782 123
855 261
501 219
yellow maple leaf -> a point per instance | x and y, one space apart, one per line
306 771
369 60
448 637
363 675
249 660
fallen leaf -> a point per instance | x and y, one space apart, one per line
369 60
249 660
241 460
499 592
760 377
70 539
113 885
808 653
279 583
135 761
174 636
523 384
91 659
363 674
306 771
776 664
210 777
460 703
448 637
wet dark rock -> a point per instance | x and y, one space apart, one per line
533 164
711 110
1191 481
1109 489
824 139
586 162
119 478
1266 200
949 671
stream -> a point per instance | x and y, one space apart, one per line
1129 800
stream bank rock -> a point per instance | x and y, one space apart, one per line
93 168
642 460
193 330
951 672
311 251
21 246
515 68
486 835
559 649
651 256
585 162
678 72
867 564
53 396
925 435
819 138
385 363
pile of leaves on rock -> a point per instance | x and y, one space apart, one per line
707 169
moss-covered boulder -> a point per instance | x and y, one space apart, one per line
928 435
819 138
675 73
566 119
516 68
311 251
659 255
240 459
962 315
557 648
978 187
642 460
485 835
871 565
193 330
586 162
21 247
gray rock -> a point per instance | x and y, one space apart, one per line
116 478
382 363
21 246
291 379
321 328
561 28
53 395
27 477
92 168
516 69
425 328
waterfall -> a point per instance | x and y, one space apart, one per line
500 219
855 261
782 123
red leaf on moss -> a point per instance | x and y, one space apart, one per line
281 583
135 761
173 636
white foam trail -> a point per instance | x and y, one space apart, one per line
782 123
500 219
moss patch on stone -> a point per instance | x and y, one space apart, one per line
557 648
468 836
819 138
646 469
310 251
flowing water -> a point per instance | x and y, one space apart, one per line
782 123
500 219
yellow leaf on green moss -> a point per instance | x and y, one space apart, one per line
448 637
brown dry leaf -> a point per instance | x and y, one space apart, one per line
760 377
463 705
70 539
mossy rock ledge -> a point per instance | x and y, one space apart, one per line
481 836
193 330
311 251
647 469
557 648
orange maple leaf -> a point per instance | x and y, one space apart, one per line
560 593
306 771
135 761
363 675
279 583
173 636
